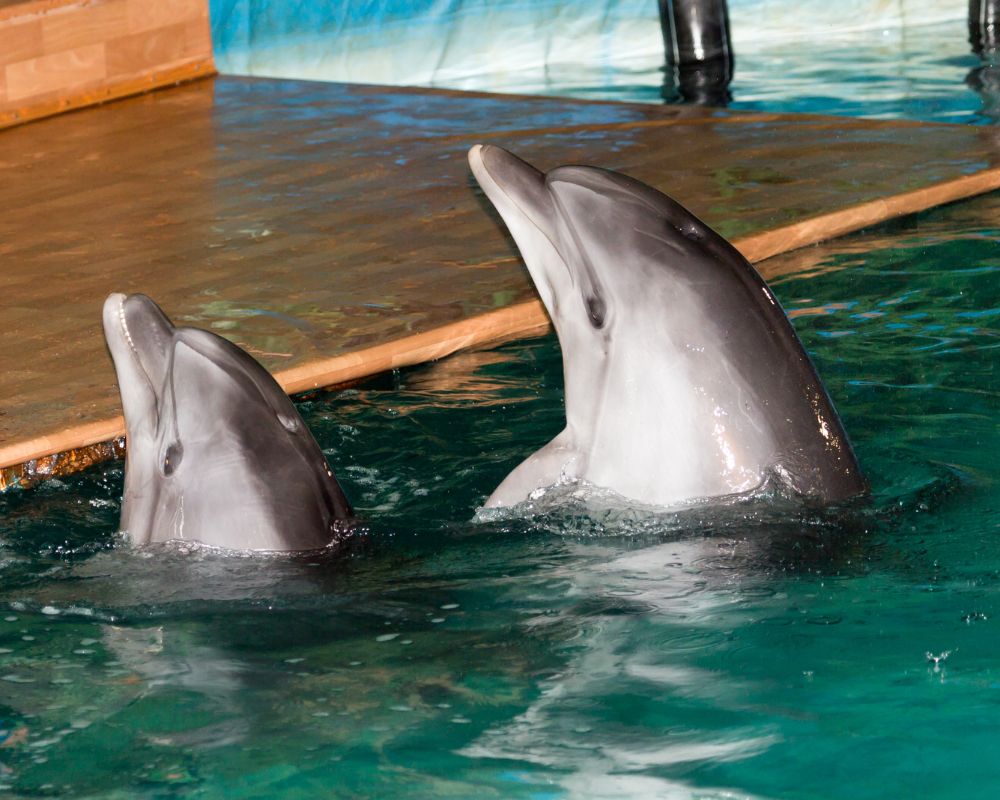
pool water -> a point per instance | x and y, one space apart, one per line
742 653
878 60
925 72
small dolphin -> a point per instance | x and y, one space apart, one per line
217 453
684 379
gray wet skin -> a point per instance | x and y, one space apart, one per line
683 377
216 451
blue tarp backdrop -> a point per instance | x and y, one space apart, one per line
427 41
537 46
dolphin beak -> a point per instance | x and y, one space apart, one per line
140 338
513 184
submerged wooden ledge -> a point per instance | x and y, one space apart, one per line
334 231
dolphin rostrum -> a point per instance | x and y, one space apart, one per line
216 452
684 379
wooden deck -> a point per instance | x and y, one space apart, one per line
334 231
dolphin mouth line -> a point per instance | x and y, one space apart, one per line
517 205
136 359
125 330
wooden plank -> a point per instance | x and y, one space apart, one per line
47 105
837 223
59 55
91 24
20 41
143 51
146 16
10 9
51 73
334 231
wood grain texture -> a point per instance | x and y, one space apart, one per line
47 105
334 231
52 72
57 55
19 9
140 52
70 27
148 16
20 40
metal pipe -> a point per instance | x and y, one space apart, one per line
699 56
984 26
984 36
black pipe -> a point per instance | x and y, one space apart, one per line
984 26
698 50
984 36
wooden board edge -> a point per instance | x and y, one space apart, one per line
522 320
34 8
72 449
157 79
824 227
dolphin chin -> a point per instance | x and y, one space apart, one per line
684 379
217 453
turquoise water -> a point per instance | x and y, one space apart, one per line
923 72
749 652
879 60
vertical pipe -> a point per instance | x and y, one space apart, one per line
701 29
699 56
984 36
984 26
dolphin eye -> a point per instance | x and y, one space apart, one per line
596 310
290 424
172 458
692 233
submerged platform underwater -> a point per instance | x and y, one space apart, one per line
334 230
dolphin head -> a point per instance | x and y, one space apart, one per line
683 377
217 453
584 234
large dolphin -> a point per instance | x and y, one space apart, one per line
216 453
683 377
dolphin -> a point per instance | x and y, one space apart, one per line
216 452
684 379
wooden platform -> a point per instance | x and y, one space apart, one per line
334 230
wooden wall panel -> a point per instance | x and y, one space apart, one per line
149 16
20 41
69 28
56 55
150 49
50 73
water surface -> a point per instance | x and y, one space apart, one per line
748 652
